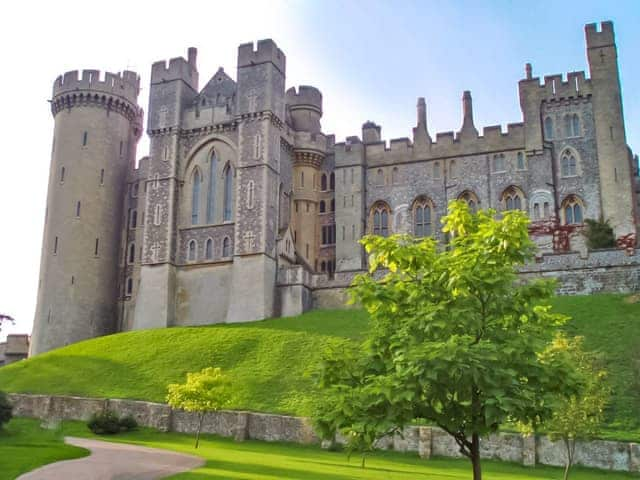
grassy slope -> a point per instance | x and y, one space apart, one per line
24 446
269 360
254 460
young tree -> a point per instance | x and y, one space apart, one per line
456 338
206 391
579 416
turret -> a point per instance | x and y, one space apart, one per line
97 126
305 107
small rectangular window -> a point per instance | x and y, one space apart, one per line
120 147
95 251
78 210
102 176
55 246
85 137
62 171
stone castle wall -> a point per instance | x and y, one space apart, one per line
424 440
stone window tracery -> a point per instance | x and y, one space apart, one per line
422 217
568 164
227 206
196 180
471 199
379 217
572 210
512 198
548 128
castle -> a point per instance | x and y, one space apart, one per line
243 199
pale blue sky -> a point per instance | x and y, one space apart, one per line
371 60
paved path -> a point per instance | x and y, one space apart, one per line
115 461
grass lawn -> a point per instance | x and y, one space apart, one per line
25 446
254 460
270 361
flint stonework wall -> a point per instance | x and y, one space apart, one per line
426 441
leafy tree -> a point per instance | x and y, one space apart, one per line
5 318
206 391
456 339
6 409
599 234
579 416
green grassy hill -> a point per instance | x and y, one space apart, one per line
269 361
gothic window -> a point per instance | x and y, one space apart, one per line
471 199
332 181
394 175
379 217
498 163
193 246
129 286
575 122
323 207
548 128
329 234
132 252
436 170
572 210
520 160
228 194
78 209
512 198
568 164
379 177
195 197
62 172
422 214
102 176
452 169
323 182
211 192
133 219
208 251
333 205
250 194
568 126
536 211
226 247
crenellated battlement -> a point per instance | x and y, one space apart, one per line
125 84
306 97
316 142
599 38
266 51
179 68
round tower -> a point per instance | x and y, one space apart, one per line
305 110
97 125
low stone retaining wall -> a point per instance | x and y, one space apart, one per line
426 441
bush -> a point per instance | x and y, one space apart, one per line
6 409
108 423
599 234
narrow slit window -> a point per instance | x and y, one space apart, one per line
102 176
96 250
55 246
85 138
62 172
78 209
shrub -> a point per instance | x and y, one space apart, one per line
599 234
6 409
108 423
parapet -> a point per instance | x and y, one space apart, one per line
307 97
267 51
555 87
603 38
179 68
125 84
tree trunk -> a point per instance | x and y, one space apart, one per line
570 444
200 419
475 456
362 464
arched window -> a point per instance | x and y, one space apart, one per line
195 196
568 126
133 219
575 120
379 216
226 247
332 181
422 215
211 192
227 209
512 198
250 194
520 159
333 205
572 210
132 253
452 169
379 177
498 163
548 128
536 211
436 170
129 286
208 251
323 182
568 164
395 175
193 247
471 199
323 207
